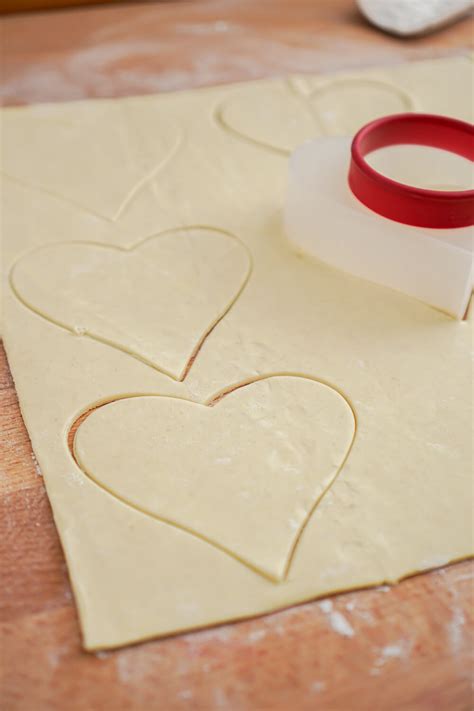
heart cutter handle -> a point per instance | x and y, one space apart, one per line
405 203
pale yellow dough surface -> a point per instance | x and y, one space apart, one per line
345 459
156 301
269 449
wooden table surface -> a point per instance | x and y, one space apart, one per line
404 648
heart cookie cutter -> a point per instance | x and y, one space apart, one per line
425 247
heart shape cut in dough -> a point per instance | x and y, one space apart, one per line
273 117
279 118
105 151
343 106
244 473
156 301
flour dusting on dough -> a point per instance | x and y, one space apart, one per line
355 541
76 477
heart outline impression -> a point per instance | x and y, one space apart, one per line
213 260
296 115
122 142
258 520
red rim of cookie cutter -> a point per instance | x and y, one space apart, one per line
406 203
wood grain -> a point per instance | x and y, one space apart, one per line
144 48
7 6
409 647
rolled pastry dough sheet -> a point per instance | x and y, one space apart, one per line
116 172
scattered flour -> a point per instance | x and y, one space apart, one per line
135 664
455 626
36 465
436 446
124 668
400 649
56 656
76 477
366 616
185 694
326 606
338 622
256 635
208 28
455 629
223 633
223 460
221 701
222 52
465 576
